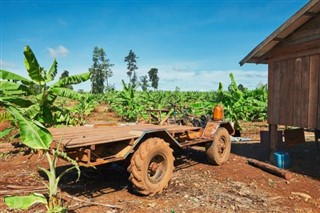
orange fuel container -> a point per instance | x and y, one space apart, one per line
218 113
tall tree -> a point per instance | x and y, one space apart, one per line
153 77
100 71
144 82
65 74
131 60
106 68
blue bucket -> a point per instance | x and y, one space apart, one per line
282 159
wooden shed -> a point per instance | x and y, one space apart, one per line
292 53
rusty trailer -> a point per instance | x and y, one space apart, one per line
149 148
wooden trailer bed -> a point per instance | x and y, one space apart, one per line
73 137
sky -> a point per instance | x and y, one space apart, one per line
194 44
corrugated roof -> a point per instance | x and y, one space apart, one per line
311 9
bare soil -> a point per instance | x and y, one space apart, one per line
196 186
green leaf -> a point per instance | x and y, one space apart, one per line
14 88
21 102
32 134
75 164
74 79
7 75
35 72
24 202
5 132
67 93
33 110
51 74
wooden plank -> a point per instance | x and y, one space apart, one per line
304 105
295 50
290 98
284 92
270 116
313 90
84 136
276 93
306 32
297 91
318 111
85 142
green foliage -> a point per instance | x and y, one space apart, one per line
39 96
33 134
144 82
64 75
131 60
86 105
33 110
5 132
100 71
54 202
153 77
36 136
239 102
24 202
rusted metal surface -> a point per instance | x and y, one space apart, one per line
72 137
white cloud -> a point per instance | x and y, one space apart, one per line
5 64
58 51
189 76
183 76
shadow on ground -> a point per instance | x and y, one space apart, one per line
109 178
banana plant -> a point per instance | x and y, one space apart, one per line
30 103
131 102
40 90
36 136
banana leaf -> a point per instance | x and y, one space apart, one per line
33 134
74 79
21 102
51 74
67 93
24 202
5 132
7 75
35 71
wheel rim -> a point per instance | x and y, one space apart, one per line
222 145
156 168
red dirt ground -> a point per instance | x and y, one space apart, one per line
195 187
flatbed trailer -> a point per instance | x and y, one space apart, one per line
149 148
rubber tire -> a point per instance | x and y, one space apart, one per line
218 151
144 182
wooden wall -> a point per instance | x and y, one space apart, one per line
294 78
294 92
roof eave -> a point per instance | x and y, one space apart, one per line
300 18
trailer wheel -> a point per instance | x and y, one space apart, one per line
218 151
151 167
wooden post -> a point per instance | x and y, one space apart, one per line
316 137
273 137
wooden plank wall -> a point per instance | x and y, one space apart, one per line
294 90
294 79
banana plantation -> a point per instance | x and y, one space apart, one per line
31 105
50 104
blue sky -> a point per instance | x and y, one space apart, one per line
194 44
